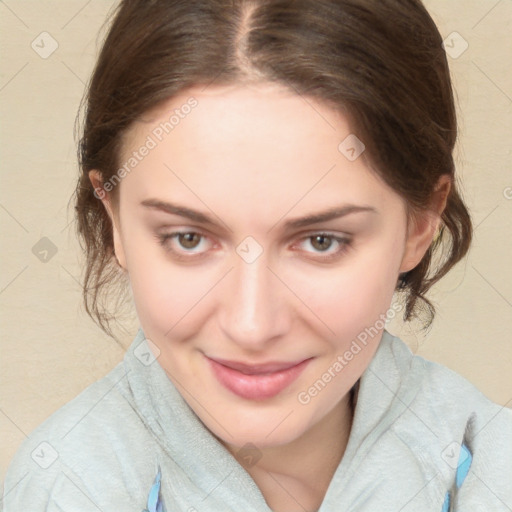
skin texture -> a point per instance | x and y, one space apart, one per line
253 157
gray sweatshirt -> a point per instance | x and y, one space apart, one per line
106 449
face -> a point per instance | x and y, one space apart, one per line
257 252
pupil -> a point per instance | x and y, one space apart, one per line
187 240
324 242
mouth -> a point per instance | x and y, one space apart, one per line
257 369
256 381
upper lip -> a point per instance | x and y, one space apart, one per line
256 369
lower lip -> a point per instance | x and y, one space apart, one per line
256 387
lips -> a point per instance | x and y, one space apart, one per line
256 381
257 369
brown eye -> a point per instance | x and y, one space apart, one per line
321 242
185 244
325 246
189 240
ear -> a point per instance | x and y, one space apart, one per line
422 228
97 182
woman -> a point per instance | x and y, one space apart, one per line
266 175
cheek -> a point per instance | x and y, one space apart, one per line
352 297
168 298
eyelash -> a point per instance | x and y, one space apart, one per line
345 244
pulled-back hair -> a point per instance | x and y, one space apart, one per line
380 62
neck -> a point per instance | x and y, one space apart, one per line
296 476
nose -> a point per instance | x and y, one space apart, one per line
254 310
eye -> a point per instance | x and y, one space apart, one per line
186 244
326 245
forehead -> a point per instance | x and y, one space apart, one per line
250 114
255 146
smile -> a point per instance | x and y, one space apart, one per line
256 382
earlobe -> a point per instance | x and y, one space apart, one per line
424 226
96 180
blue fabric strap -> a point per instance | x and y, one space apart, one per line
463 465
154 501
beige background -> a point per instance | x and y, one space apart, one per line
51 350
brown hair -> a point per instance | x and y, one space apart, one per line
381 62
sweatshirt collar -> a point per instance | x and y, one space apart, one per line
385 392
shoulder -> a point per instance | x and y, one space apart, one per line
435 384
75 456
444 411
429 379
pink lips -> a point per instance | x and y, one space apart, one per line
256 382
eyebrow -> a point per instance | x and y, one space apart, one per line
298 222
